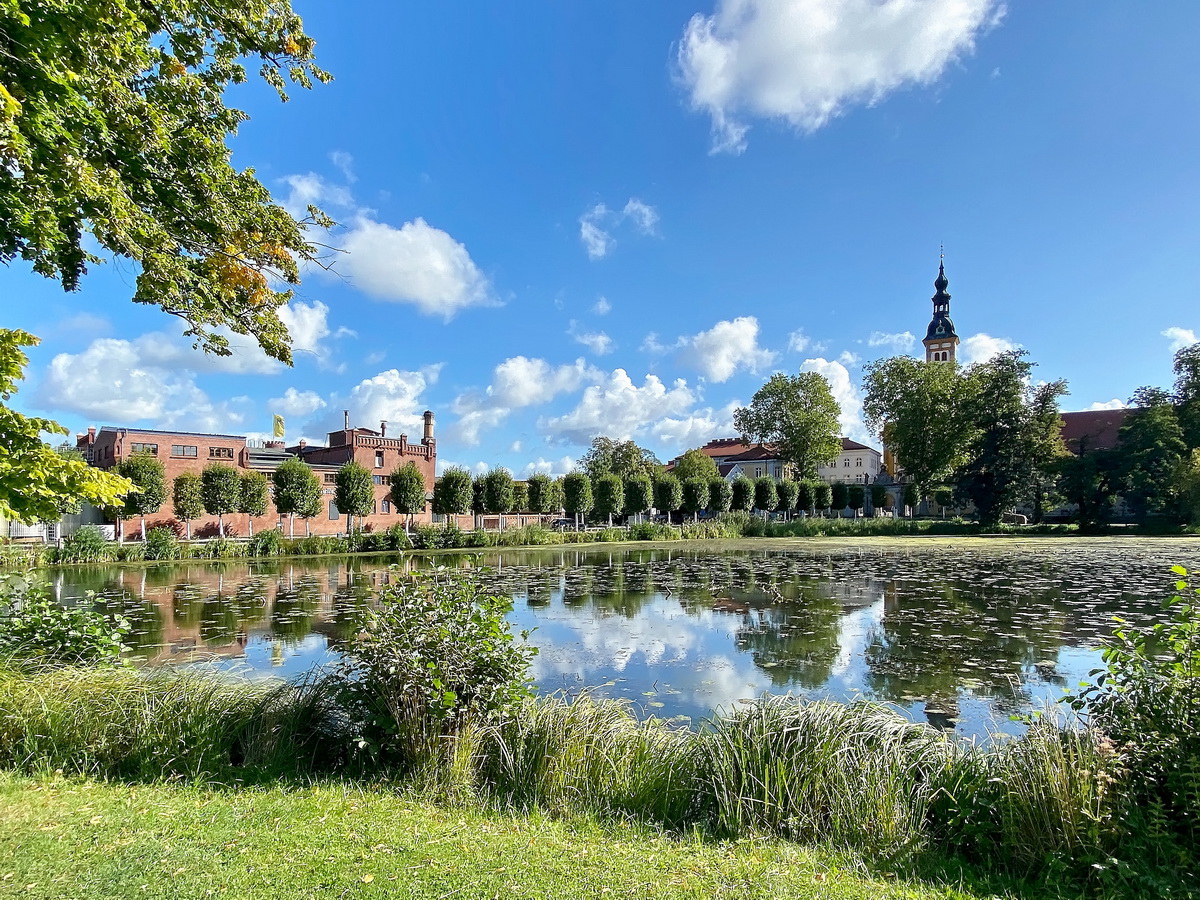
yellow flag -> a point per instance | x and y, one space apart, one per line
278 429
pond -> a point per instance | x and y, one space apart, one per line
964 632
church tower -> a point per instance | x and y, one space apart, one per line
941 341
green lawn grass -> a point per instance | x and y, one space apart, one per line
85 839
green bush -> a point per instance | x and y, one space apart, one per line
224 548
130 552
85 545
34 627
161 545
433 654
1147 701
266 543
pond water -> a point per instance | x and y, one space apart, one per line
964 633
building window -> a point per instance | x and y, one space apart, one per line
846 463
858 463
386 507
378 479
331 478
379 459
758 471
220 453
152 449
185 450
333 512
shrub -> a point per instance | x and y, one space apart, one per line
35 627
435 653
84 545
224 548
266 543
1147 700
161 544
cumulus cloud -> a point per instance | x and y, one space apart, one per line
596 341
618 408
345 164
296 403
602 307
805 63
900 342
697 428
798 341
517 382
1180 337
394 396
981 347
308 325
1114 403
845 392
553 468
597 224
726 347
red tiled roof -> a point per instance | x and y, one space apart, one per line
1093 429
848 444
758 451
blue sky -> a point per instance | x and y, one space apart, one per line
568 219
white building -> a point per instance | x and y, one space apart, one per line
856 464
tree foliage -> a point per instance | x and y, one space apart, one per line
609 494
253 500
221 490
623 458
694 464
187 498
1152 451
798 415
498 491
452 493
806 496
541 494
146 473
822 495
695 496
354 491
839 496
407 489
879 495
295 489
639 494
668 494
520 496
856 498
742 494
1187 393
789 492
766 495
918 411
720 495
113 124
35 481
1090 482
577 494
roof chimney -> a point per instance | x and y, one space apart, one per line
428 426
346 418
91 434
383 428
303 443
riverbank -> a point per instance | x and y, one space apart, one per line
96 841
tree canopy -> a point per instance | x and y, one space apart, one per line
295 488
695 464
452 493
408 489
624 458
798 415
113 124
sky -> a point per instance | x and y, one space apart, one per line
563 220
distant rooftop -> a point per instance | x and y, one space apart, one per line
115 429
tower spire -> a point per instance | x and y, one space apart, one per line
941 341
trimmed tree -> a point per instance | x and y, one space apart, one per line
221 490
806 496
789 492
743 494
766 495
498 493
577 495
187 499
839 496
856 498
253 501
541 489
910 497
668 494
822 495
879 495
353 493
695 497
312 501
149 483
720 495
694 464
293 483
407 490
452 493
520 496
610 496
639 494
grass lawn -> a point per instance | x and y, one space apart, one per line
85 839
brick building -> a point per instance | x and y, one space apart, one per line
182 451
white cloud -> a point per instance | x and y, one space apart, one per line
695 429
981 347
1180 337
515 447
652 345
644 216
900 342
806 62
596 341
415 263
602 307
553 468
313 190
394 396
597 223
596 241
517 382
345 164
1114 403
296 403
798 341
846 358
308 325
845 393
123 381
618 408
726 347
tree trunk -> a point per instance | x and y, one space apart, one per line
249 525
220 525
188 527
291 525
143 529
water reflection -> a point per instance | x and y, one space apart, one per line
963 634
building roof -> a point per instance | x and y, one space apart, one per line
848 444
1093 429
203 434
757 452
